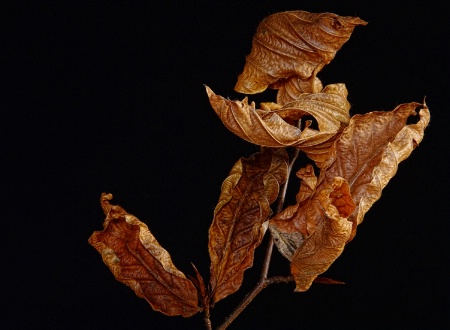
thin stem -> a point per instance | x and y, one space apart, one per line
285 185
268 257
264 281
207 317
251 295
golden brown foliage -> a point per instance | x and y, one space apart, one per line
369 151
273 128
293 44
312 233
136 259
356 158
237 228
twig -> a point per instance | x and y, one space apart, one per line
207 317
251 295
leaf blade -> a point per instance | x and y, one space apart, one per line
244 204
383 140
322 248
321 220
271 128
136 259
293 43
366 157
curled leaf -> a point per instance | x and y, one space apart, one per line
289 227
296 224
326 244
366 157
369 150
136 259
290 89
244 204
270 127
293 43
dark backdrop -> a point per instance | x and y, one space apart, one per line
108 96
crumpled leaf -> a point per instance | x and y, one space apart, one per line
290 89
293 43
297 223
366 157
244 205
289 227
270 128
326 244
136 259
369 151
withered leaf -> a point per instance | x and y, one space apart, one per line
366 157
237 228
289 227
136 259
290 89
298 223
323 246
369 151
321 221
329 108
293 43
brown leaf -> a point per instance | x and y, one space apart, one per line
293 43
244 204
201 287
289 227
136 259
270 127
369 151
366 156
326 243
296 224
290 89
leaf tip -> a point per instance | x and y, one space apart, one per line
104 202
209 91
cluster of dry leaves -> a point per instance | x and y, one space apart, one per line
355 156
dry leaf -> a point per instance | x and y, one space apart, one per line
289 227
290 89
366 156
327 242
293 43
297 223
369 151
136 259
244 204
329 108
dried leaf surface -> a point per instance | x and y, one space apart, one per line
323 246
293 43
369 151
244 204
289 227
329 108
296 224
136 259
290 89
366 157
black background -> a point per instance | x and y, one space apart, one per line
108 96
